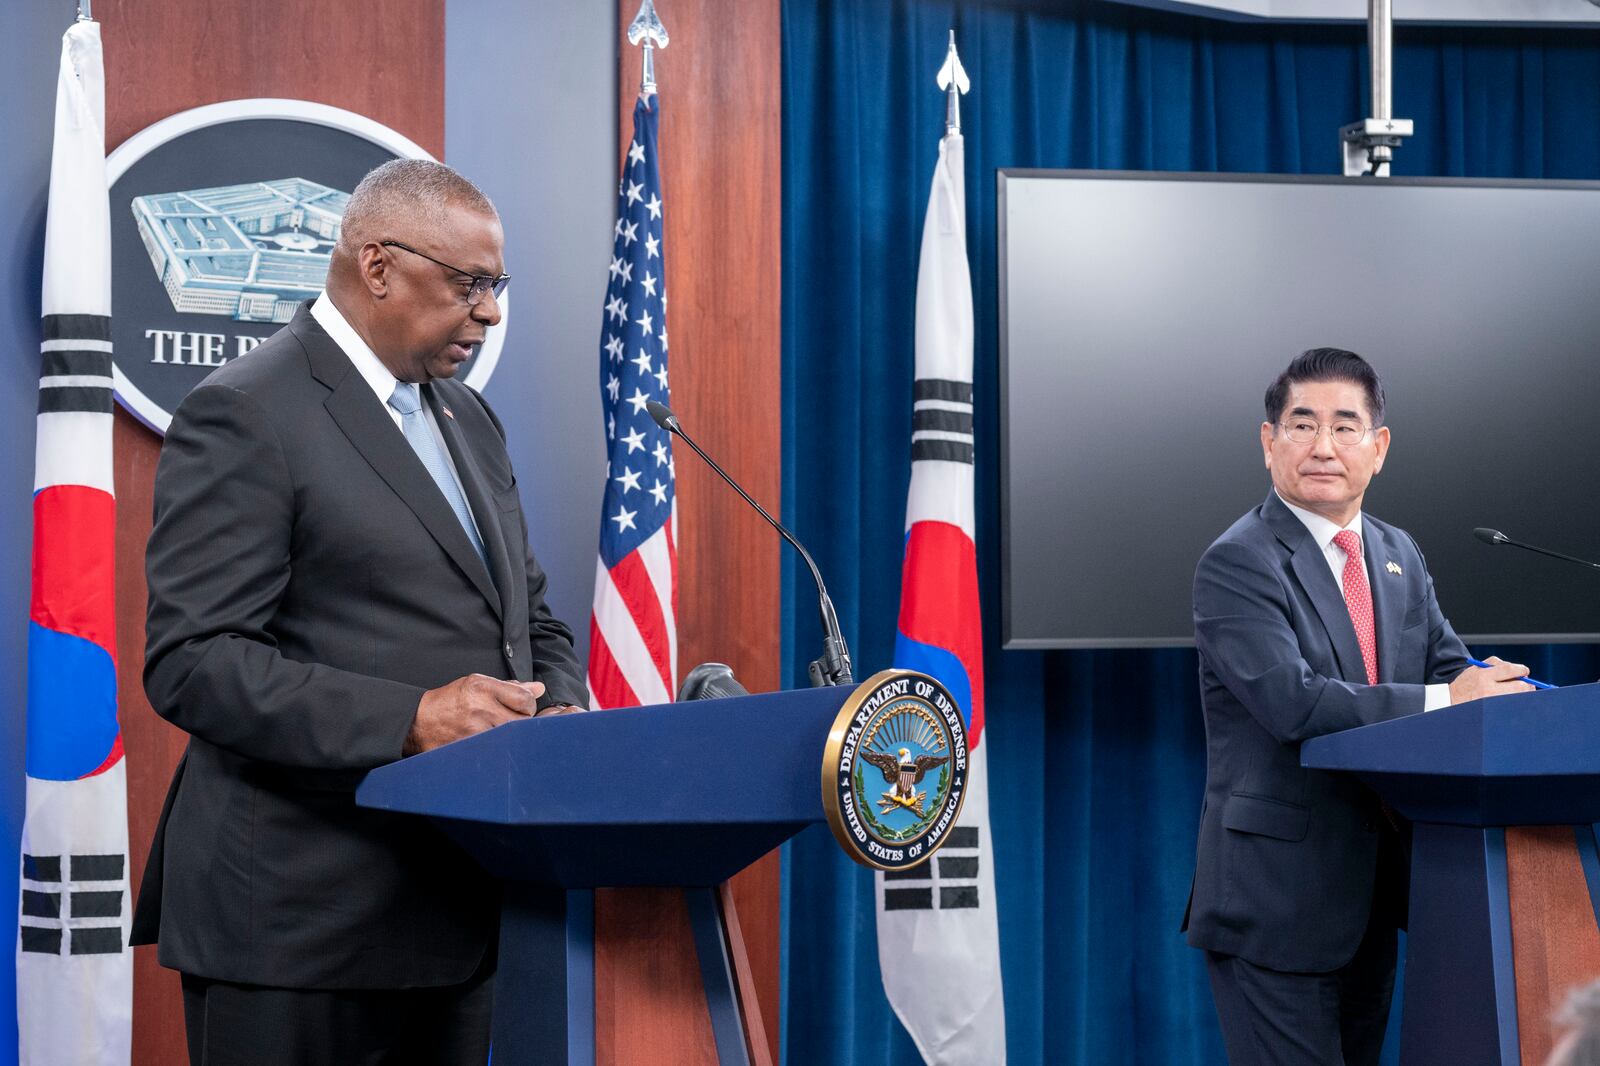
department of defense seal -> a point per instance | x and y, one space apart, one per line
894 770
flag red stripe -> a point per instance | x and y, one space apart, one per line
939 599
672 559
74 558
606 683
639 595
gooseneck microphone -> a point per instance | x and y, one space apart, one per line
1495 537
833 668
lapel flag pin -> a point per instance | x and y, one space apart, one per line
452 415
1391 566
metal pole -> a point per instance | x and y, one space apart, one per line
1369 145
1380 46
646 28
85 10
1380 33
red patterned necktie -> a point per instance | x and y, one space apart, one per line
1358 601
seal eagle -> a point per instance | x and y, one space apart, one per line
903 772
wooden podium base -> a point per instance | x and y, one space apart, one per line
612 976
1504 922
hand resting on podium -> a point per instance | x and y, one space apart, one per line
1498 678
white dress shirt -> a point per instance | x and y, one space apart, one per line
382 381
1323 531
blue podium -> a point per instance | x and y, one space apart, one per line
1472 778
684 794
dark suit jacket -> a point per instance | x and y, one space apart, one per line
1287 857
308 582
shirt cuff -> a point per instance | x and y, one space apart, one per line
1435 696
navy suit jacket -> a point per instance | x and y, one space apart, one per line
1287 857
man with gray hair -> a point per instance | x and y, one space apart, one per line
339 576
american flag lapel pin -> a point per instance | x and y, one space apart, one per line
452 416
1392 566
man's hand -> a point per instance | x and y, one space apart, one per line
1499 678
560 708
469 705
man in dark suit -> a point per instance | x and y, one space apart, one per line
340 576
1311 617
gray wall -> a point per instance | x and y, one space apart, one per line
30 50
531 116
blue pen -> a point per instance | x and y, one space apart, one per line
1529 680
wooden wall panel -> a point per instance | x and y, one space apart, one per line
1554 938
720 141
381 58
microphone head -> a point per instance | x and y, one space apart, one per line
663 415
1491 536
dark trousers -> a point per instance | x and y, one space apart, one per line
1273 1018
233 1025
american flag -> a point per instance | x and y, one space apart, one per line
633 632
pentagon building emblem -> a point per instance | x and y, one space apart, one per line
894 770
223 222
252 252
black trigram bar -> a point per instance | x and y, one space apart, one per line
953 866
908 899
41 904
75 361
963 836
922 872
76 327
41 867
76 398
96 904
942 421
941 389
42 941
950 898
97 867
97 940
950 451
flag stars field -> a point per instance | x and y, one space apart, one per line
633 634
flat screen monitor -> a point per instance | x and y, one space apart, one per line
1142 316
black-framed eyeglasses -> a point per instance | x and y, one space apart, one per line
1345 432
481 283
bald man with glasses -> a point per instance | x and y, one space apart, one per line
339 577
1311 617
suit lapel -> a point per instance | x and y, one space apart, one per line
1311 568
1388 597
479 498
373 433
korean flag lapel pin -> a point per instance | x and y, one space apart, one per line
1392 566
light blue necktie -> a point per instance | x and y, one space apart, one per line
414 424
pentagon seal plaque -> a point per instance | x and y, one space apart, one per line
894 770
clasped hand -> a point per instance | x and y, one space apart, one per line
474 704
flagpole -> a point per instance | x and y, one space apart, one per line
646 27
952 78
85 10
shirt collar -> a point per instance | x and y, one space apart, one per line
1322 530
366 361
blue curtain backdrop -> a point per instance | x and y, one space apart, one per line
1096 758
